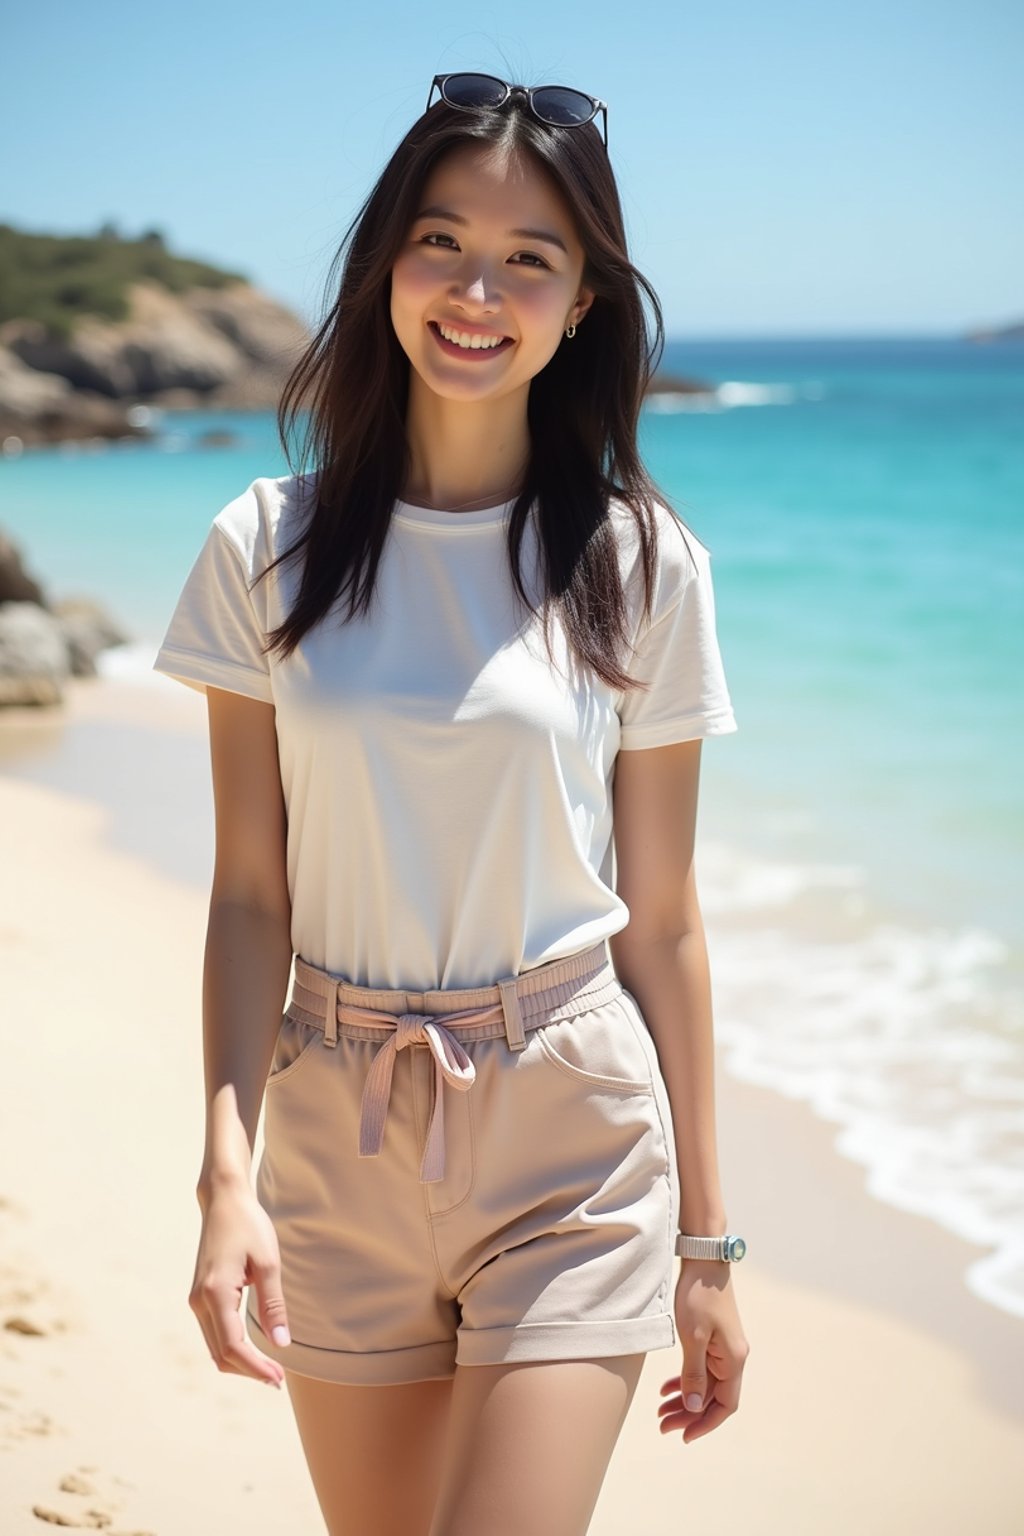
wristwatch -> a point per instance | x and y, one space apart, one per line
730 1248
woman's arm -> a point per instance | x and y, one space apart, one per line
661 956
245 977
248 941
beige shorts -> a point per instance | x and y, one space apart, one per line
496 1186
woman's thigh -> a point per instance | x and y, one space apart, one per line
528 1445
374 1453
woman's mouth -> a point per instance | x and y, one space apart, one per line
472 346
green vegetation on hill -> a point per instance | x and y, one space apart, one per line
57 279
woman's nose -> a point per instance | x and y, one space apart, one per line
476 291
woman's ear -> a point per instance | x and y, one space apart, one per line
584 300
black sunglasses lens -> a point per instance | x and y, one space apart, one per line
562 107
473 91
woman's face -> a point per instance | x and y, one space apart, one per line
492 257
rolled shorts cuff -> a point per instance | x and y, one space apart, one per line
565 1341
378 1368
473 1346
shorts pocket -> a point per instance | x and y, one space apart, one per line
601 1048
295 1043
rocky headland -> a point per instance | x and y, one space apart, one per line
93 329
226 349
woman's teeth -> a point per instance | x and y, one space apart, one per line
464 339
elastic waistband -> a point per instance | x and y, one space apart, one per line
444 1021
511 1007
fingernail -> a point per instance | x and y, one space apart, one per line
694 1402
280 1335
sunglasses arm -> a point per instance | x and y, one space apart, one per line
435 84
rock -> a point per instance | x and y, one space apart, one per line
34 661
259 327
676 384
27 391
200 340
67 639
39 407
254 390
125 359
16 585
178 400
88 629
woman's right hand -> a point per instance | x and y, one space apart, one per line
238 1247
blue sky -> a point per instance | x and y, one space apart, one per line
786 169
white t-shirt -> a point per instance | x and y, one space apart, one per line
448 790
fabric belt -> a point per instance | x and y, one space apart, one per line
443 1020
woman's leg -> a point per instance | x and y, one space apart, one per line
529 1444
374 1453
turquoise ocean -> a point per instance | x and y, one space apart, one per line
861 844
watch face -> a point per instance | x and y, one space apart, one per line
737 1248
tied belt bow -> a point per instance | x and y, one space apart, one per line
451 1064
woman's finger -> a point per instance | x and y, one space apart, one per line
721 1404
694 1378
713 1415
239 1351
233 1351
273 1315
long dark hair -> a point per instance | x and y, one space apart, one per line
583 406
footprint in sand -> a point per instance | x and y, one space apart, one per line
32 1422
27 1306
74 1482
97 1515
89 1519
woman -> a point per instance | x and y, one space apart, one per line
442 670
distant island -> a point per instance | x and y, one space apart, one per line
93 329
1012 332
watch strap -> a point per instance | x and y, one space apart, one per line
726 1248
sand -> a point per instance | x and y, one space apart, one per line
880 1395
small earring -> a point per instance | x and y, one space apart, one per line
570 331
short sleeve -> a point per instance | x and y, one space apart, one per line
214 637
679 657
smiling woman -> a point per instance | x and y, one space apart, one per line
465 287
458 676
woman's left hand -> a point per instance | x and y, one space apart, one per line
715 1350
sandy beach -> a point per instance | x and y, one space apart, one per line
880 1395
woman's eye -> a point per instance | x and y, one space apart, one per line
441 240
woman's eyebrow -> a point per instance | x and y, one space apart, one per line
519 234
539 234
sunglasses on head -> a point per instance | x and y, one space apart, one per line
557 105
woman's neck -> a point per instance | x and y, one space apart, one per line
465 454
